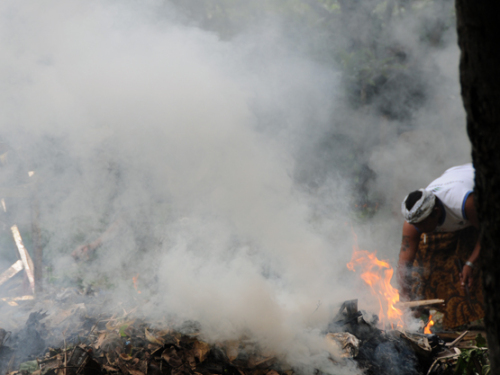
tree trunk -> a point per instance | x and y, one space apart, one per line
478 26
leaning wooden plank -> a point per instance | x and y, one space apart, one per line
25 257
13 270
425 302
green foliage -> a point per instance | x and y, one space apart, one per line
123 329
473 362
29 366
358 37
228 17
363 68
480 341
330 5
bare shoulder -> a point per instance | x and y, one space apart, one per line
410 231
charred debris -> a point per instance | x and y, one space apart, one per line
77 339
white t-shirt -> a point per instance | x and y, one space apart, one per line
452 189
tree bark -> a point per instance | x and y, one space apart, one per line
478 25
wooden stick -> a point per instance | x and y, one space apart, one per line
457 340
11 272
425 302
453 335
25 257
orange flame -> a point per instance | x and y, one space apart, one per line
134 280
378 274
427 329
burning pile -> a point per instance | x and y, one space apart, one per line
378 274
125 343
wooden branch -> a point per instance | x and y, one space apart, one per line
25 257
450 335
11 272
425 302
457 340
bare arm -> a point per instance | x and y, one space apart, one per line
409 247
471 214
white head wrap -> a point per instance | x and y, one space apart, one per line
421 209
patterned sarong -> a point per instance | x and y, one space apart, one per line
436 275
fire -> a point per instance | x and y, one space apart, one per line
427 329
378 274
134 280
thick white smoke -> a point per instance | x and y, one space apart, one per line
188 145
133 121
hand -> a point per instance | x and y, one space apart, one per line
466 277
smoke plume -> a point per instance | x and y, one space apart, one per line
215 170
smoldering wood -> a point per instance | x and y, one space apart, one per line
94 343
383 351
